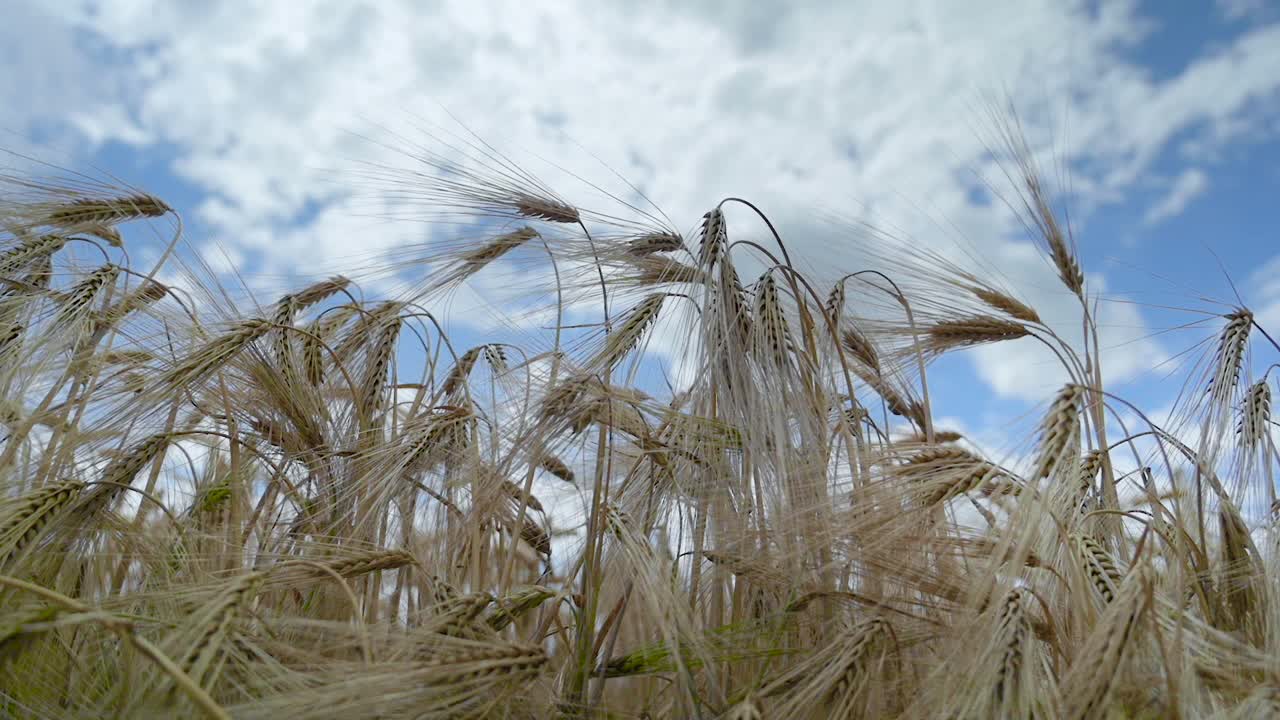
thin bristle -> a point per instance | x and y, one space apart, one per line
660 270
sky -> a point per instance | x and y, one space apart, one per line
1161 120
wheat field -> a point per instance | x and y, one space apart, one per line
317 505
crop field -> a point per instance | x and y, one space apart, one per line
319 504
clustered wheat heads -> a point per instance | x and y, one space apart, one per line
327 508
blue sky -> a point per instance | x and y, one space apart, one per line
1166 116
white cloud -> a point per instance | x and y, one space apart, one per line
1265 284
47 75
1190 184
1027 370
795 104
1240 9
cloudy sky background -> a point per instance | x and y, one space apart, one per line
1164 117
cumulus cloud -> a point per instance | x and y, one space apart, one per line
1265 284
1241 9
874 109
1187 187
1026 369
47 76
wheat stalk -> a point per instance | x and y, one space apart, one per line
106 211
898 402
974 330
556 467
746 709
30 249
665 270
371 395
713 238
1007 304
1046 222
627 335
205 484
655 242
1015 630
733 304
835 303
150 293
1091 681
212 625
546 209
313 358
458 375
370 562
510 607
434 436
1255 415
861 347
1098 565
1060 433
1241 568
216 353
20 631
78 302
118 475
319 292
477 259
772 339
1090 465
944 472
11 338
1230 356
28 515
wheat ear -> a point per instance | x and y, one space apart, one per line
1060 433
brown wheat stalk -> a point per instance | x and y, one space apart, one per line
655 242
106 211
1007 304
1060 433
